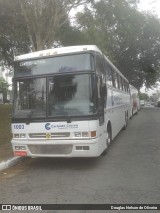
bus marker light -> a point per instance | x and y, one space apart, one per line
77 134
20 153
85 134
93 134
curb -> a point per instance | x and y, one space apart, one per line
10 162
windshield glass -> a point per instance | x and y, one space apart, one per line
58 64
30 98
63 95
71 95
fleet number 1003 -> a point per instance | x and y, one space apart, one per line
18 126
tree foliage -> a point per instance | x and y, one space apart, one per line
43 19
129 38
31 25
144 96
13 37
4 88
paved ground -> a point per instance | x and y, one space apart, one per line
129 173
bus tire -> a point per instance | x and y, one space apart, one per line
109 133
126 121
108 139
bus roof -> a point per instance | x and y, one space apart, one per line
58 51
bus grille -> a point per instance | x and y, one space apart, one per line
53 135
50 149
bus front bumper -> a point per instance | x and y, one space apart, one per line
57 148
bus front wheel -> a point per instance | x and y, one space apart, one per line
108 140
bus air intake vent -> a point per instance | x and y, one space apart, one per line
53 135
50 149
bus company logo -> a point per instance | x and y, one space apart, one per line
47 126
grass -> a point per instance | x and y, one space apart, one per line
5 124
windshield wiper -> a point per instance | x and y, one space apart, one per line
34 108
68 118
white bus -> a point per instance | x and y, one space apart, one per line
135 101
68 102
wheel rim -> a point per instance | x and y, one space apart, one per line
126 119
109 138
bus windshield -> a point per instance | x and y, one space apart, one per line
55 96
57 64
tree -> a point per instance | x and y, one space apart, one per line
4 88
13 37
31 25
144 96
44 18
129 38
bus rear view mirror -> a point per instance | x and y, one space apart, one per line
103 91
100 106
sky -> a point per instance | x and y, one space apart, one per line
144 5
150 5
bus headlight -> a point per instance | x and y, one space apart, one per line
91 134
15 135
22 135
85 134
77 134
19 135
20 148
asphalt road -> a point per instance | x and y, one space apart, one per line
129 173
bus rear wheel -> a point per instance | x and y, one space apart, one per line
126 121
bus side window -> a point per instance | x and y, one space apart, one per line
121 82
99 65
125 86
118 81
108 74
92 62
113 78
